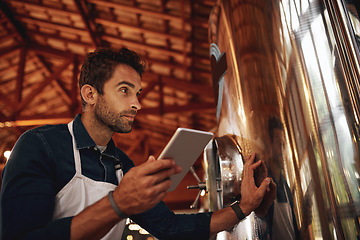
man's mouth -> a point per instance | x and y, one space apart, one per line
130 117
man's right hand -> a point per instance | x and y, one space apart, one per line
252 195
145 185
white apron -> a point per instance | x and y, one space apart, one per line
82 192
283 227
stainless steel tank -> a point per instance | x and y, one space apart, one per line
286 81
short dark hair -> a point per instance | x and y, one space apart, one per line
100 65
274 123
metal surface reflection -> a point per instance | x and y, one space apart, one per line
286 80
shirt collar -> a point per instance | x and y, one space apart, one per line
83 139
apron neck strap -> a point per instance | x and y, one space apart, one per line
75 150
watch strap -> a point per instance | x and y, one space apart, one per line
115 207
239 213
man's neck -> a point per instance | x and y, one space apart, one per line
97 132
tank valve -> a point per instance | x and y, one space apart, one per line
201 186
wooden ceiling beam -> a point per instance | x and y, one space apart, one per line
57 37
74 86
7 70
44 50
9 37
42 85
186 86
87 22
31 6
143 47
54 26
138 29
20 75
191 107
191 87
148 89
168 64
4 52
3 20
29 74
63 93
149 48
136 10
51 52
8 103
5 10
196 88
158 15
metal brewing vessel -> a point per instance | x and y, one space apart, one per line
286 84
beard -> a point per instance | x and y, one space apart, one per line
114 121
278 160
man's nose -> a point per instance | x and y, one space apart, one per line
136 104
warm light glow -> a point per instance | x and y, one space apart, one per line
7 154
143 232
134 227
129 237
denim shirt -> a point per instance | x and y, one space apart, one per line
42 163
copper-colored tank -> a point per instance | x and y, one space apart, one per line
286 80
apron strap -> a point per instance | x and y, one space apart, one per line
76 151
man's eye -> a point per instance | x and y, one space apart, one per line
124 90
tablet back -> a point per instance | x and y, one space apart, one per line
185 147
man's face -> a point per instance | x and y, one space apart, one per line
278 145
117 106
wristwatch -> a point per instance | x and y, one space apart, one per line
239 213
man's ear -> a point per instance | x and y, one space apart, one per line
89 94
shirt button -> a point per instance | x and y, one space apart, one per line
95 148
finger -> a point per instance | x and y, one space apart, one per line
256 164
151 158
151 167
157 192
162 186
273 187
249 169
162 175
250 159
264 186
263 167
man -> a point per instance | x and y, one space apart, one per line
281 217
71 182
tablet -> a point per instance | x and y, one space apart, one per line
185 147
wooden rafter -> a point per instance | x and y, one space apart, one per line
159 34
42 85
136 10
88 23
16 26
191 107
54 26
58 86
20 75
